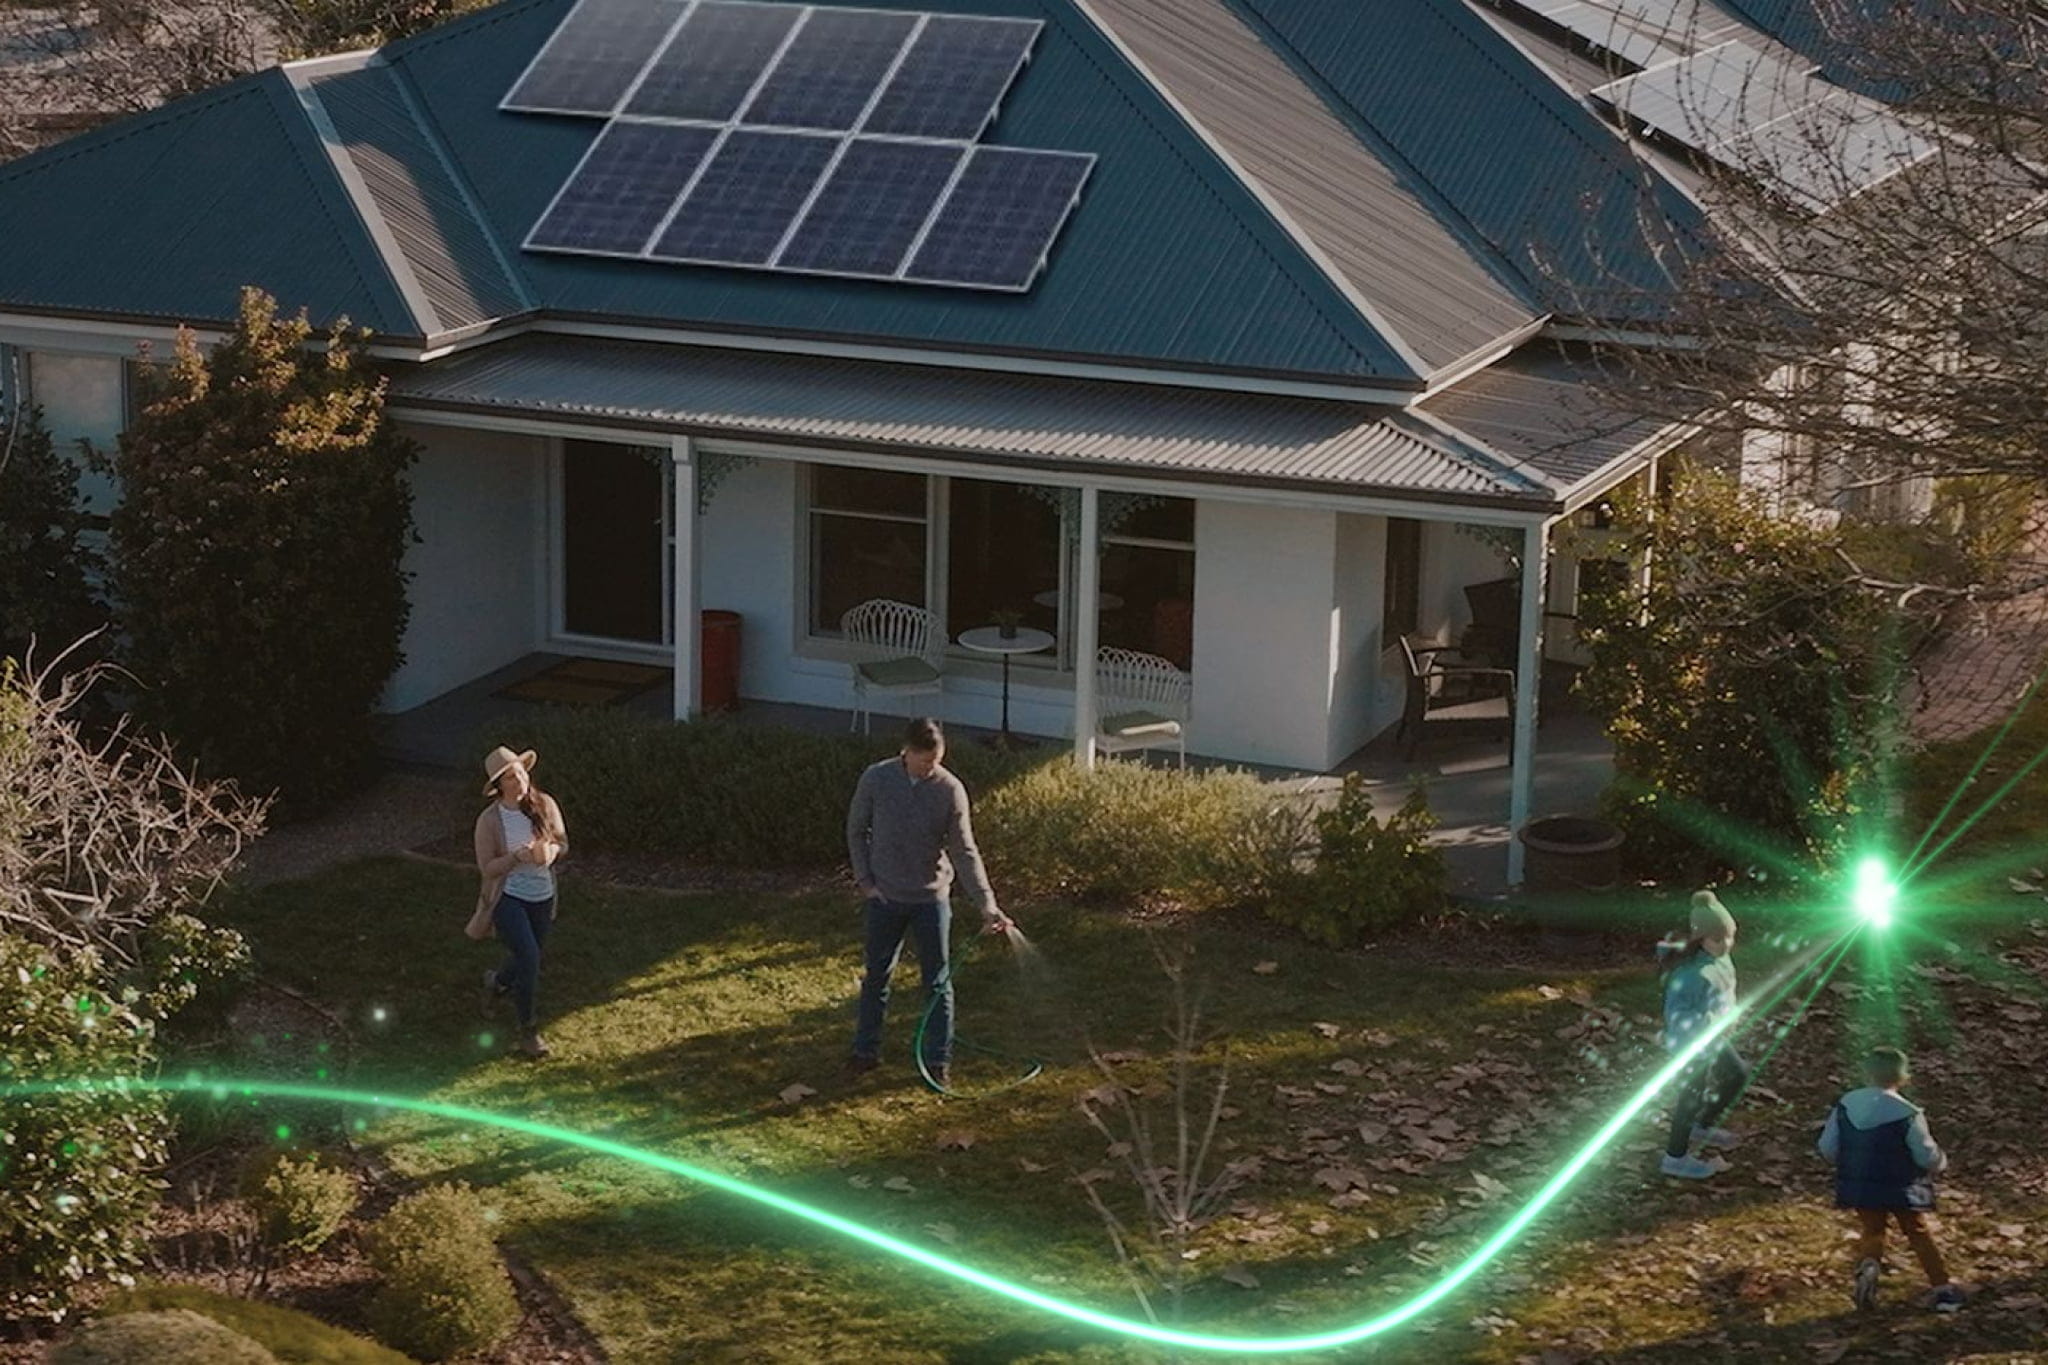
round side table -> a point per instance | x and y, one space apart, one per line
991 640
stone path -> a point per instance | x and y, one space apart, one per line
400 810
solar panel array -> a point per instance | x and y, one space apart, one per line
1640 32
809 139
1754 113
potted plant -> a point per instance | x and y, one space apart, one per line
1007 622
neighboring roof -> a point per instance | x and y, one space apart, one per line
1548 406
1186 433
168 214
1536 174
1432 283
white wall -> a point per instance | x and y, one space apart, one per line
1265 580
1362 701
747 562
477 574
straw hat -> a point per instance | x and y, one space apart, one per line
500 759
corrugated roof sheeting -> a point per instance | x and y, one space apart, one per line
1436 291
169 214
1167 260
1534 172
417 198
1196 432
1545 405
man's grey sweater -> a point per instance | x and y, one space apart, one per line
907 836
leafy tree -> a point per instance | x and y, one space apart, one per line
1748 695
46 566
257 553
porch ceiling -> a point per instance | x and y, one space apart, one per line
1074 424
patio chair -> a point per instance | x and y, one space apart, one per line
898 652
1455 691
1142 701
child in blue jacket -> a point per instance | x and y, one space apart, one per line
1699 987
1884 1156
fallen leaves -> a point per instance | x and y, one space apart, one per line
957 1141
1265 968
797 1093
1239 1275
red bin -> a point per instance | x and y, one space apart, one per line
718 660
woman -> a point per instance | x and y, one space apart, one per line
518 838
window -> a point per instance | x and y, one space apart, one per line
1401 611
82 398
1148 577
867 539
1002 555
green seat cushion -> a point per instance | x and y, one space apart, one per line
908 671
1133 724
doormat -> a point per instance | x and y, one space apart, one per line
587 682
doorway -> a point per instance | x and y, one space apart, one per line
614 542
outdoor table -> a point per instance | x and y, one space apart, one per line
990 640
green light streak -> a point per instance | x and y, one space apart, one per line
1502 1238
1990 803
1971 776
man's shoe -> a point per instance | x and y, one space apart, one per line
857 1065
1714 1137
533 1045
1692 1167
942 1076
1947 1299
1866 1284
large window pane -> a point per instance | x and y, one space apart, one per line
856 558
1149 601
867 490
1003 552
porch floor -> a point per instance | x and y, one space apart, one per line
1465 767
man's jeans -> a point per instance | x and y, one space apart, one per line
887 922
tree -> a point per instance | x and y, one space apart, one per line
257 554
1869 322
46 566
1748 693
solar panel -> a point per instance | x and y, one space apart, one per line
745 201
593 56
1714 96
829 72
871 207
1624 32
953 77
997 224
623 188
713 61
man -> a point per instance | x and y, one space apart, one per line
907 833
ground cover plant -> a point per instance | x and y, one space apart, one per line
1386 1109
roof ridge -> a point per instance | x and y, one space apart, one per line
1098 34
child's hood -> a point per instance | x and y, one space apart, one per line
1871 1107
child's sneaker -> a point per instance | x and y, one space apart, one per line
1866 1283
1714 1137
1947 1299
1692 1167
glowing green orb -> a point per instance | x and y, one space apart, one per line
1874 893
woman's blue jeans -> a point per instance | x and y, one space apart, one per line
887 923
523 926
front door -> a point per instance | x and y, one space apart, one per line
613 541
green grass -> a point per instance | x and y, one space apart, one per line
678 1021
294 1338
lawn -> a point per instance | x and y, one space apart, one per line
1387 1109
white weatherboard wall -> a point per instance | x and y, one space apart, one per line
746 562
1265 587
477 583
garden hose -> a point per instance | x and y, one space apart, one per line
1033 1066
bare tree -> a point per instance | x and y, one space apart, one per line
1866 324
101 839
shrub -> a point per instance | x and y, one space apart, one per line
172 1336
1366 876
300 1202
445 1290
1126 831
75 1167
1749 703
257 554
295 1338
46 567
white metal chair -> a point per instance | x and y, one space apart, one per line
900 649
1142 700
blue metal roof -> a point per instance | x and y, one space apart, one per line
168 214
1167 261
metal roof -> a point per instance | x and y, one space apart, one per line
1068 423
413 196
1545 405
1438 289
169 214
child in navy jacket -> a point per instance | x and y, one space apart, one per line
1699 987
1884 1156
